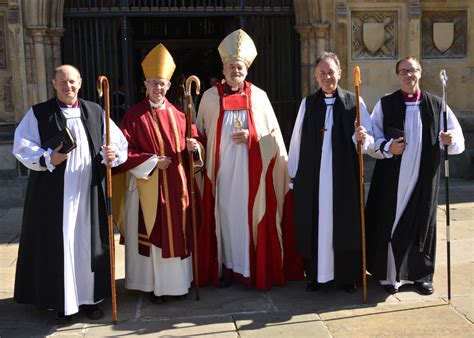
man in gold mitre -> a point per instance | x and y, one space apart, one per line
158 230
246 180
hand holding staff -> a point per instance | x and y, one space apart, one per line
357 83
444 78
189 109
103 86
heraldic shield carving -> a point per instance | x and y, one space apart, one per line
443 35
373 35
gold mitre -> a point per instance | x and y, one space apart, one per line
238 45
158 63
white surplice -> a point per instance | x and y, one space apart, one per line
163 276
410 164
325 215
232 196
78 277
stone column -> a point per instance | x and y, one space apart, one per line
17 61
54 36
313 38
414 29
38 33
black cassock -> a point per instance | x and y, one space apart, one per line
346 207
39 276
414 239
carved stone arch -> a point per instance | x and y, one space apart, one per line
307 11
43 20
36 13
312 24
57 12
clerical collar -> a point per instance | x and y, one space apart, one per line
329 95
157 105
412 97
228 90
61 104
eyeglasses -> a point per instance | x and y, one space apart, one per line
411 71
156 84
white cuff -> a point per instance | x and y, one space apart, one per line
386 148
47 160
143 170
115 162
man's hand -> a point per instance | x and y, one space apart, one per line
446 138
398 146
56 157
109 153
163 162
192 145
360 134
240 136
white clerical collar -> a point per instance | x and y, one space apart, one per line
157 105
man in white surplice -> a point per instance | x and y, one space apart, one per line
323 163
402 201
63 259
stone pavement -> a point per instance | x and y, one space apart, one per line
287 311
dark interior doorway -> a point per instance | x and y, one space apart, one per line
192 42
115 45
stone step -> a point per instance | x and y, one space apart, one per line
7 131
12 188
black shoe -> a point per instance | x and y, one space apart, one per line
351 288
156 299
92 311
424 288
62 319
390 289
312 286
225 282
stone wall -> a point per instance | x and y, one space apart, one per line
374 34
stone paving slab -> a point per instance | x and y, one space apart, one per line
288 311
199 327
418 319
281 325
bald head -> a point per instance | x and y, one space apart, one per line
67 82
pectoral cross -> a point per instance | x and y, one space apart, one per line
237 123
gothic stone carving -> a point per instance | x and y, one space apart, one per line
371 43
458 47
3 47
7 95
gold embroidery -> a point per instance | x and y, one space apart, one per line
144 243
165 184
181 173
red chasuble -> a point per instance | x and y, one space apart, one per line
272 254
161 132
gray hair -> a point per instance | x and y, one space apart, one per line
329 55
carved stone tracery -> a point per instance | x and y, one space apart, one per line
458 48
389 46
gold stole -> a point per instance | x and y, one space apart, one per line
148 189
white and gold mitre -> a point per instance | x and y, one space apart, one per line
238 45
158 63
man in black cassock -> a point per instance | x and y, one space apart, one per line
324 166
63 258
403 196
